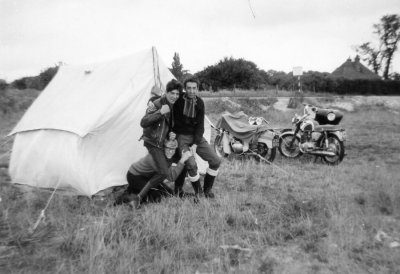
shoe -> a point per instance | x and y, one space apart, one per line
209 194
124 198
135 202
183 194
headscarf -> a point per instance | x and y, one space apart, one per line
189 109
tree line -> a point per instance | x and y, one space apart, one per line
38 82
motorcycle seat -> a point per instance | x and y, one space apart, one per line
326 128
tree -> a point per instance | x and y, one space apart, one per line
388 31
47 75
38 82
177 68
371 56
230 73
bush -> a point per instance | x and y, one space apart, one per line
13 100
232 73
3 84
36 82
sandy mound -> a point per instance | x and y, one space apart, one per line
229 101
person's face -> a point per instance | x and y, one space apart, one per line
172 96
191 89
169 152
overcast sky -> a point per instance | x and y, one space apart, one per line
314 34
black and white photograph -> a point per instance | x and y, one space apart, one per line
241 136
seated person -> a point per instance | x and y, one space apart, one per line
143 170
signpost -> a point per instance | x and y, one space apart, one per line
298 71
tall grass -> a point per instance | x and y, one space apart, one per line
312 219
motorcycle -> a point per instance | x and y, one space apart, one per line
239 134
316 132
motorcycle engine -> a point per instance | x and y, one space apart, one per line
307 146
236 145
307 125
306 142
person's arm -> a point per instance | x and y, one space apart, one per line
153 115
199 129
174 171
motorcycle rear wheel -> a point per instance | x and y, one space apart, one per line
218 147
266 153
289 151
338 147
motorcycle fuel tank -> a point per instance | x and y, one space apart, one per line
328 116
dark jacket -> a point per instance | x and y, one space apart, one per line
189 126
155 125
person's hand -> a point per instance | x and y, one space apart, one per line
193 148
185 155
164 109
150 104
172 136
150 107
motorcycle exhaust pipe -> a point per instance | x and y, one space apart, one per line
322 153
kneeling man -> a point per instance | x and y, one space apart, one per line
140 173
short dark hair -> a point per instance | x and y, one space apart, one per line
174 84
192 80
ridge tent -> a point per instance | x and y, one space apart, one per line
82 133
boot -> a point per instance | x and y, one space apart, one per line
179 182
208 184
197 188
135 202
124 198
154 182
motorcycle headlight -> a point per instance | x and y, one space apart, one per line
331 116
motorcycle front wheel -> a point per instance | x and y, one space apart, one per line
336 146
219 147
287 150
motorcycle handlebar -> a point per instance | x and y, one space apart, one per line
265 120
254 120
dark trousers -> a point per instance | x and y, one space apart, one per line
137 182
161 164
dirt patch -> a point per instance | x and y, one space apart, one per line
230 102
348 106
282 103
356 102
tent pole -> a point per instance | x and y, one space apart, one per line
156 69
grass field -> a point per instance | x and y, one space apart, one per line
312 219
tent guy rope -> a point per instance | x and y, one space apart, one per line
42 216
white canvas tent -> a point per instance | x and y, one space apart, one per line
82 133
